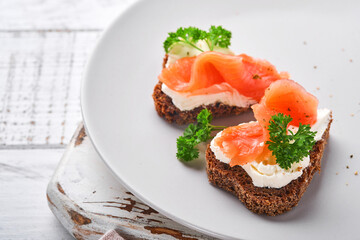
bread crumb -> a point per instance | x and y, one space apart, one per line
352 114
337 173
317 88
347 166
350 60
356 173
351 156
331 95
315 67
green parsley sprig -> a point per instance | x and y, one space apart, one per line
216 36
289 148
195 134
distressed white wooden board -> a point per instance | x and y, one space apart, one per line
24 213
40 75
89 201
23 15
44 46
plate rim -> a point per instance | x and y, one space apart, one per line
86 71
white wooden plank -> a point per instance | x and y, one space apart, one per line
89 201
24 213
40 74
59 14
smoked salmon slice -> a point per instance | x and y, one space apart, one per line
247 142
197 75
290 98
242 143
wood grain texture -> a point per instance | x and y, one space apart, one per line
40 76
24 213
89 201
44 46
83 15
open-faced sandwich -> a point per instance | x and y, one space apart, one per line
268 164
200 71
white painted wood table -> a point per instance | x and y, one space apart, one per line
89 201
44 45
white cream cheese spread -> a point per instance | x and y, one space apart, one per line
273 176
185 101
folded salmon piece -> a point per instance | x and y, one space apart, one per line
196 75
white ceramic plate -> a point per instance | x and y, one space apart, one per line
316 41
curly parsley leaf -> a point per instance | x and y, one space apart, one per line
204 117
189 35
289 148
216 36
186 149
195 134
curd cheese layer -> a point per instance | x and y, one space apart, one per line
273 176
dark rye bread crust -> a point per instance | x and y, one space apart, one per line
262 200
166 109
